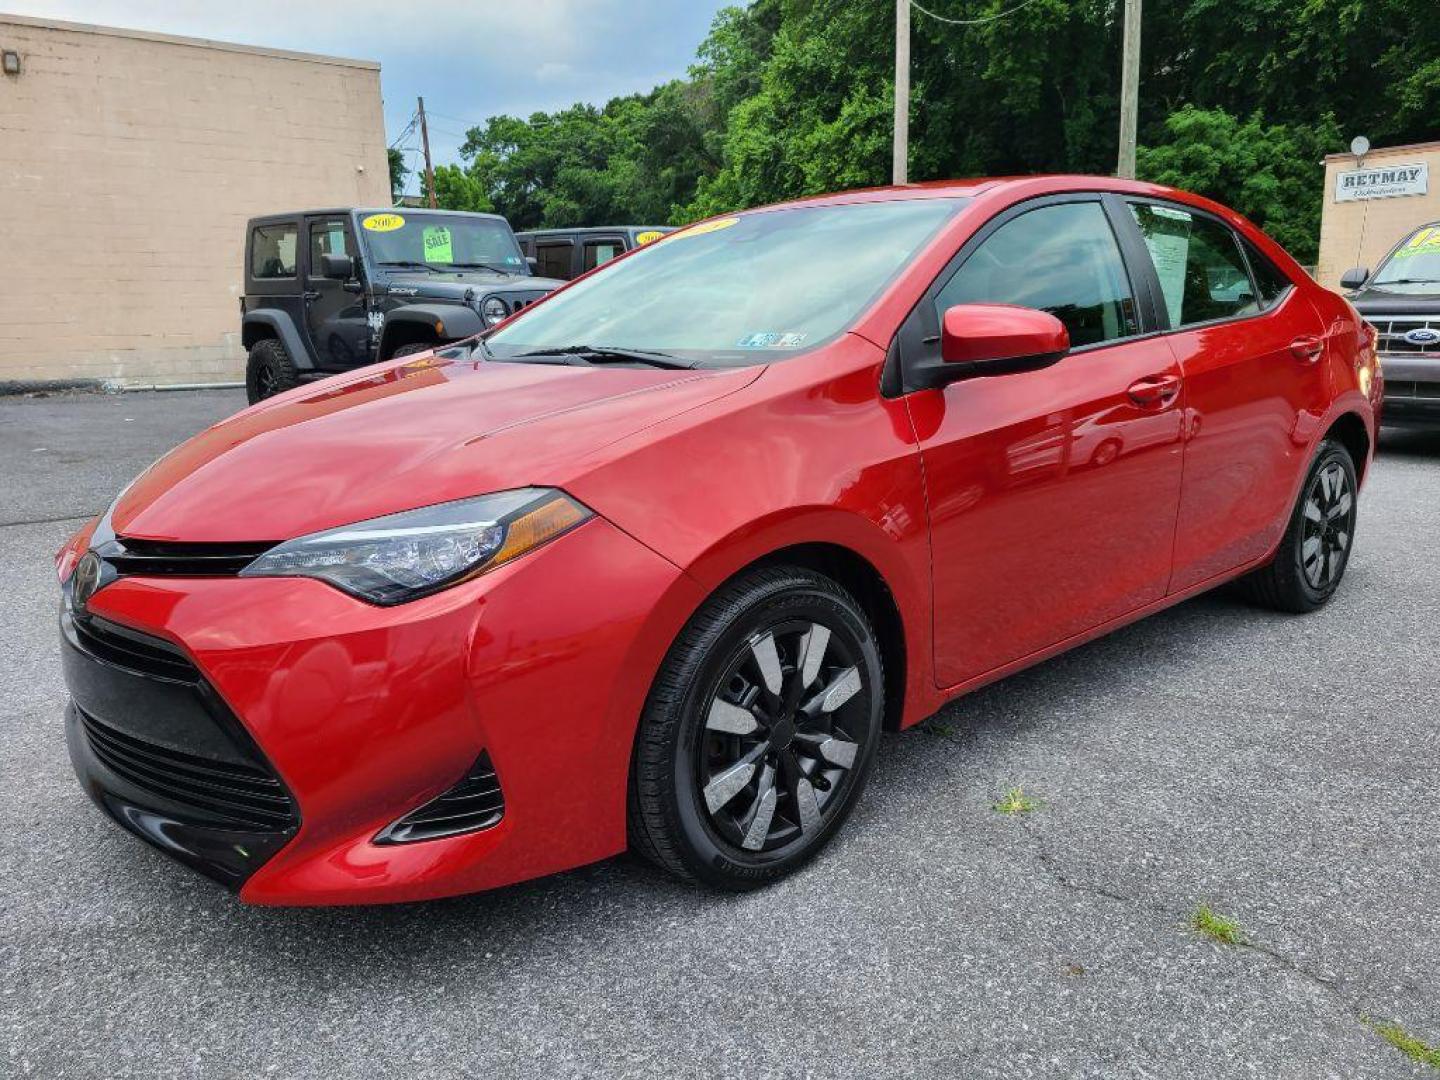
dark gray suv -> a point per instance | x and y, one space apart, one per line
329 290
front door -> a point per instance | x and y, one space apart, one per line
1250 347
335 315
1053 493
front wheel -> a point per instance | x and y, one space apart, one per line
1315 550
760 731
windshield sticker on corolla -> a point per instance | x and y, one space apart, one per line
383 222
438 245
708 227
1424 242
771 341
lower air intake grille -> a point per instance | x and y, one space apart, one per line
226 794
132 650
475 803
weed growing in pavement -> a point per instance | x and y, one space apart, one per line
1015 801
1407 1044
1217 927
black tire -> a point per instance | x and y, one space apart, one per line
413 348
269 371
692 733
1311 559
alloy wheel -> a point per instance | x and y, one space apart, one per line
784 732
1329 526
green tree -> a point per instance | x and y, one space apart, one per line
398 173
456 189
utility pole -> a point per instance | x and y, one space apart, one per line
425 142
900 154
1129 90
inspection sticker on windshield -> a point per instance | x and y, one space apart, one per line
383 222
771 341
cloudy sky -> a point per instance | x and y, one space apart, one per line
470 60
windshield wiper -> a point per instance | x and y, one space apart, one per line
605 354
411 265
483 266
1407 281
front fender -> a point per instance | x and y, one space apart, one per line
448 322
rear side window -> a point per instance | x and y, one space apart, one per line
599 252
1203 276
553 260
272 251
1062 259
1270 283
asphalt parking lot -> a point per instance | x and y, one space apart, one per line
1281 770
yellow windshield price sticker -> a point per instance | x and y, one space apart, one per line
709 226
648 237
383 222
1424 242
438 246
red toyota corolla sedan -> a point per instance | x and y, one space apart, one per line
656 562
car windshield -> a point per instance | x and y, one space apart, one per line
440 241
735 290
1415 265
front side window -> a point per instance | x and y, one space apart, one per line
1203 276
441 241
1415 265
734 290
326 238
1062 259
272 251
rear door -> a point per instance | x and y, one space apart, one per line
1052 493
1255 385
335 316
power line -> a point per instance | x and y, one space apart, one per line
970 22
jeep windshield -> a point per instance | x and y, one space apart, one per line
1414 267
416 240
735 290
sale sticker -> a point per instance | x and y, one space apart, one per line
438 246
383 222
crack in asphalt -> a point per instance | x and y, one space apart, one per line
45 521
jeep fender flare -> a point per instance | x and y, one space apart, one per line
454 321
268 322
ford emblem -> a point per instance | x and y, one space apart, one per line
1422 335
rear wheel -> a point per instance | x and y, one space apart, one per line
269 371
1312 557
760 731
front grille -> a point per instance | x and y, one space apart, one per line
1423 391
226 793
129 555
1393 328
475 803
126 648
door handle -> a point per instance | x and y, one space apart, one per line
311 294
1154 390
1307 348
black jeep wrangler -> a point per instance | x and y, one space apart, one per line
1402 300
330 290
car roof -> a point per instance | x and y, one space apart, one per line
261 219
975 187
588 230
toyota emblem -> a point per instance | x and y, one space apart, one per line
85 581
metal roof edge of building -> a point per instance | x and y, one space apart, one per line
193 42
1404 148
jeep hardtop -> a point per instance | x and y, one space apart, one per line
329 290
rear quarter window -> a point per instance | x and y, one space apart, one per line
272 251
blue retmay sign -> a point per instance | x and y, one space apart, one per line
1385 182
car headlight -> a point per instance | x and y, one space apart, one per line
494 311
399 557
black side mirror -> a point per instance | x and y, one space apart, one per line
337 267
1355 277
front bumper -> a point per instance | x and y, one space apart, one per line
363 714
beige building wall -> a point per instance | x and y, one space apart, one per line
129 163
1361 231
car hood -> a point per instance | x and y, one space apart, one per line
401 436
1380 302
468 285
